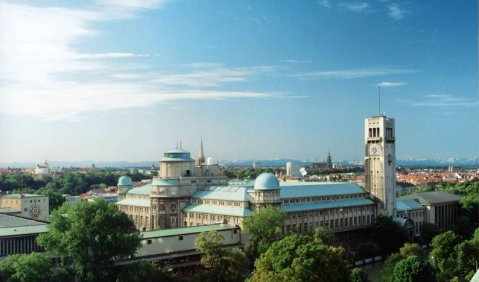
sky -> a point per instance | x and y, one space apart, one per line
111 80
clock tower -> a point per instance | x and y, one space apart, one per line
380 162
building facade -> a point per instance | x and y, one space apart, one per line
380 162
29 205
188 193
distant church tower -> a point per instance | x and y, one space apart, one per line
329 160
201 157
380 162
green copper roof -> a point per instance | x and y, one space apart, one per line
165 182
314 189
125 181
266 181
326 205
185 230
214 209
143 190
405 205
134 202
226 193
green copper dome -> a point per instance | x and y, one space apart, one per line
266 181
125 181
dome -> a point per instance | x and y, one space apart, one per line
266 181
125 181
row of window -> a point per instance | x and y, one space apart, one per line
321 198
327 212
332 223
217 202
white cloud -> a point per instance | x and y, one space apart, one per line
293 61
132 4
446 101
355 73
355 7
43 73
386 84
396 12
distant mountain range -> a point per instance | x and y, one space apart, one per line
474 161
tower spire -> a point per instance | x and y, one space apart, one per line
201 158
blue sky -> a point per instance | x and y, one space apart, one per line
126 80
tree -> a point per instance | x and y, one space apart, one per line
467 257
388 267
263 228
221 265
428 231
26 268
89 237
326 236
443 256
209 244
358 275
388 235
301 258
412 269
411 250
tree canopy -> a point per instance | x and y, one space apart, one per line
219 264
89 237
301 258
34 267
389 235
263 228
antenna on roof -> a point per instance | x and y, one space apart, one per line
379 98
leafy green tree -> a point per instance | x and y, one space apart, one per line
263 228
443 256
301 258
358 275
389 235
26 268
412 269
411 250
89 237
467 258
324 235
388 266
209 243
221 265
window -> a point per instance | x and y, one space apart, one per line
149 242
235 231
181 238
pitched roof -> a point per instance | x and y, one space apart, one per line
406 205
143 190
134 202
311 189
227 193
214 209
433 197
326 204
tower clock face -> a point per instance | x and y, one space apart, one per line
374 149
35 211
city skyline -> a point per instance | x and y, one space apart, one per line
106 81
